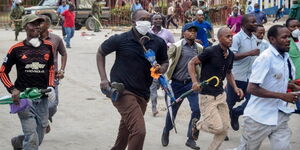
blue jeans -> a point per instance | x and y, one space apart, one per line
70 34
178 89
34 120
298 104
233 98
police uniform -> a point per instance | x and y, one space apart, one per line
97 12
190 15
16 15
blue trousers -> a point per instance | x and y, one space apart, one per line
233 98
178 89
34 121
69 35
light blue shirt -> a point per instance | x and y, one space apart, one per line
243 43
62 8
249 9
136 7
263 45
270 71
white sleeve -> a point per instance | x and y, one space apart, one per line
260 69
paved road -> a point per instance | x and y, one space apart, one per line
87 120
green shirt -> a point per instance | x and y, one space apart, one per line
17 13
295 56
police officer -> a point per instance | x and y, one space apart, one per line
190 14
16 16
97 12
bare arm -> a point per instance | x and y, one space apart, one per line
63 61
238 56
101 69
256 90
192 71
212 35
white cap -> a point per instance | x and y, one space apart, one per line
18 1
200 12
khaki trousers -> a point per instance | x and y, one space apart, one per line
215 118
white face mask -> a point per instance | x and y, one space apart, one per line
296 33
143 27
257 39
35 42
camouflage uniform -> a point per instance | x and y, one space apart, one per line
190 14
16 16
97 12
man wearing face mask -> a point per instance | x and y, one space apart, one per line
259 34
293 25
261 17
133 71
234 22
181 53
244 47
34 63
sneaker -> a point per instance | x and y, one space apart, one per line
165 138
195 131
192 144
17 142
48 129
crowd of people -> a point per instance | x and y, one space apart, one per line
260 73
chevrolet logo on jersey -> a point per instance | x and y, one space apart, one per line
35 67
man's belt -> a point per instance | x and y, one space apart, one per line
182 81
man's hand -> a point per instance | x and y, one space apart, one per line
196 86
290 97
239 92
60 74
198 41
104 84
51 95
158 69
254 52
15 93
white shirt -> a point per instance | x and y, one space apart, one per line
243 43
270 71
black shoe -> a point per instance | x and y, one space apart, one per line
226 138
165 138
17 142
235 122
297 111
192 144
195 131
